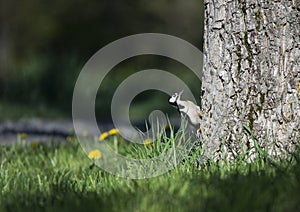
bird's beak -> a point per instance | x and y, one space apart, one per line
180 93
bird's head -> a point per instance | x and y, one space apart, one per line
174 98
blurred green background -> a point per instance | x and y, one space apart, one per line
44 45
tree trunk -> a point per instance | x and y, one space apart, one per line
251 77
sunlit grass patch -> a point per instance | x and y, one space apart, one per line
58 177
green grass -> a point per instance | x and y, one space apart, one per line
60 178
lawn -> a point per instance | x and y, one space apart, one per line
52 177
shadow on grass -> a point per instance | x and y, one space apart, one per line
253 192
57 179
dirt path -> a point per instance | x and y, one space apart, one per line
39 130
36 130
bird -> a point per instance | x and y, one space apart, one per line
188 109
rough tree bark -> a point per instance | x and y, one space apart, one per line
251 77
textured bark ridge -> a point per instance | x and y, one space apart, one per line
251 77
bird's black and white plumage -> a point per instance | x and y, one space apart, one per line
187 109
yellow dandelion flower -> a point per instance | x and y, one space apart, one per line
35 144
113 132
95 154
299 87
148 142
167 127
289 101
70 138
103 136
23 135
